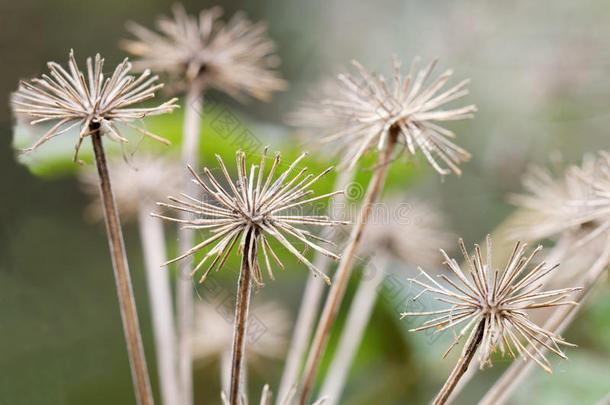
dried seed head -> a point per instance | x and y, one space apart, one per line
363 111
562 202
73 101
407 229
500 299
236 57
136 184
252 210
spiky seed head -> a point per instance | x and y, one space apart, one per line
72 100
500 299
235 57
361 112
254 209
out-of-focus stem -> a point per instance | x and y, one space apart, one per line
355 325
129 316
242 305
152 237
342 275
310 303
193 111
462 365
557 323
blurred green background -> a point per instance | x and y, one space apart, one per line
539 78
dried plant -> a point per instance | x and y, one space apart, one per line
493 305
89 104
137 184
557 203
593 209
97 106
200 52
360 113
410 231
254 209
234 57
372 115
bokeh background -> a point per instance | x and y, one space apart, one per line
540 78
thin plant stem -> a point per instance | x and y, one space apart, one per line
152 237
310 304
337 290
557 323
353 331
129 316
193 111
555 255
242 306
462 365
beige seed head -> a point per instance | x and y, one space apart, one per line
252 210
500 299
360 112
72 99
234 57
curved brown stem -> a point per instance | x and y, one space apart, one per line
339 284
462 365
133 337
242 304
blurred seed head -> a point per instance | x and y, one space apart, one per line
72 100
408 229
213 331
564 201
361 112
254 209
500 299
234 57
137 184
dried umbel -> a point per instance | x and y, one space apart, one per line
407 229
361 112
137 183
89 103
234 57
496 301
560 202
253 209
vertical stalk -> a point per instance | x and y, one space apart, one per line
242 305
161 307
557 323
310 303
337 290
131 328
353 331
193 111
462 365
